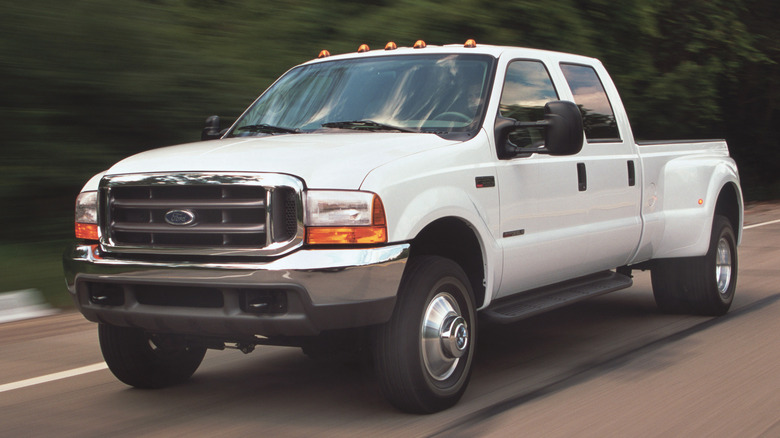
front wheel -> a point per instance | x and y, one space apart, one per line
423 355
700 285
146 360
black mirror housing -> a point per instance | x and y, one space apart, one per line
211 129
563 131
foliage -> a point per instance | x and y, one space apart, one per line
84 84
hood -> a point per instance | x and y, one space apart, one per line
322 160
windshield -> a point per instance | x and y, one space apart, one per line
417 93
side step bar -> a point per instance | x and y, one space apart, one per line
534 302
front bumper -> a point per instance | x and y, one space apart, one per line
321 289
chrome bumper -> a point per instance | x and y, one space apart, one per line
324 290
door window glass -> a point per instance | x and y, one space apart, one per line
590 96
527 88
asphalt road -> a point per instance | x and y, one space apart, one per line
610 366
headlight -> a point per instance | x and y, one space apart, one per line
86 216
341 217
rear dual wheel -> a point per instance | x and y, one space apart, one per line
423 355
700 285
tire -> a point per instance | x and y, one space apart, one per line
147 361
700 285
423 355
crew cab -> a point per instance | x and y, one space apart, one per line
398 197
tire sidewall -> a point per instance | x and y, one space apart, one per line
722 230
458 289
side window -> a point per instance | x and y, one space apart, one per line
597 115
527 88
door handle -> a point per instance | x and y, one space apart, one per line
631 173
582 177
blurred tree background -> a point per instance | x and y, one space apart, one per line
83 84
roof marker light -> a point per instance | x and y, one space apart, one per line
391 46
419 44
363 48
323 54
470 44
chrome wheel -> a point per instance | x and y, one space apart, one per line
723 266
445 336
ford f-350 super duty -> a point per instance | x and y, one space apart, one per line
398 196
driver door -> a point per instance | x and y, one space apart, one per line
543 213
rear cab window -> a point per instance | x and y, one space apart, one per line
597 115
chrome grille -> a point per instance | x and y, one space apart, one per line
247 214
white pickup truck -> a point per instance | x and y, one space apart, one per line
398 197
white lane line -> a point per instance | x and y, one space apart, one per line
761 224
52 377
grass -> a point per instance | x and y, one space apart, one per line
36 265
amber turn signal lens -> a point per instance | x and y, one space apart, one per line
378 213
346 235
86 231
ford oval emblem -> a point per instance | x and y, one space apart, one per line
180 217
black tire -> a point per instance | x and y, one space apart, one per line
147 361
423 355
700 285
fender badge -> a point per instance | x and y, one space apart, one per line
180 217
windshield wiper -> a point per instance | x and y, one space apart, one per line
368 125
270 129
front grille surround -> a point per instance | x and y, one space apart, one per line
244 214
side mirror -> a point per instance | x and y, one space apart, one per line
563 131
211 130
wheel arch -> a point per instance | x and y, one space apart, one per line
729 205
455 239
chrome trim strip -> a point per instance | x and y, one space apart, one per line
269 181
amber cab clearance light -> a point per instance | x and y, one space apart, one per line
391 46
363 48
419 44
86 231
323 54
470 44
376 233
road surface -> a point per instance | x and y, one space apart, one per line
610 366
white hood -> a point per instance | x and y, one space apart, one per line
322 160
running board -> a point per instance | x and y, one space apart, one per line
534 302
